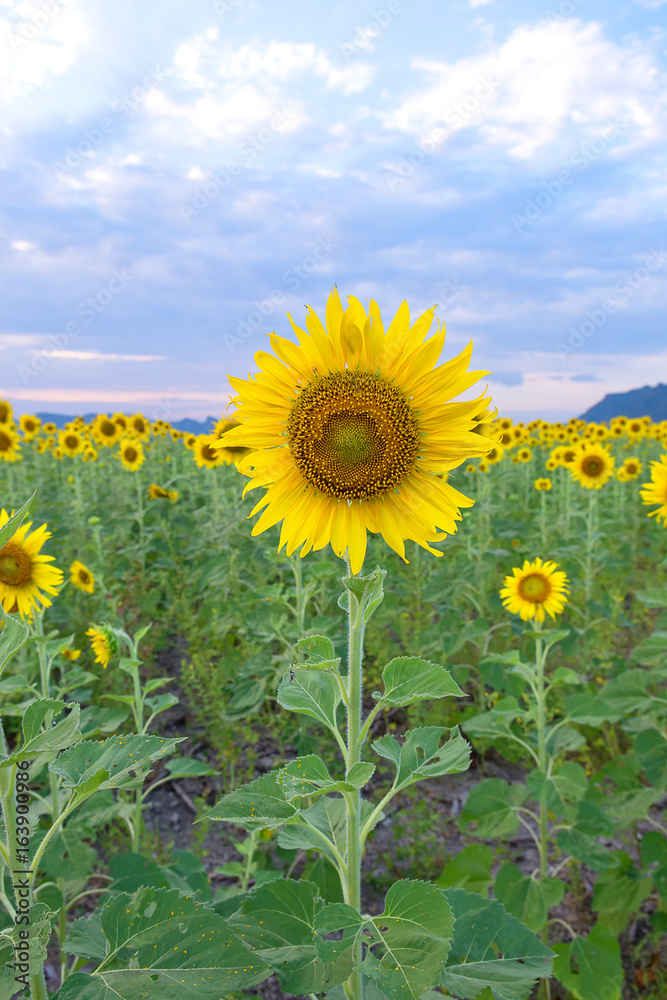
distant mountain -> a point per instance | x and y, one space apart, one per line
187 425
649 401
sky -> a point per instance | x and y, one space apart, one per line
176 177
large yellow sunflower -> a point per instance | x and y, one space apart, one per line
71 442
592 465
656 490
105 431
352 429
24 573
535 588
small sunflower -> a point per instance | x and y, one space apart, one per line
543 484
495 455
89 454
105 431
190 440
6 412
471 468
131 454
9 443
104 644
206 454
121 421
71 442
631 468
81 577
592 466
535 588
24 573
352 428
524 454
29 426
228 453
551 464
70 654
656 490
156 492
139 427
49 427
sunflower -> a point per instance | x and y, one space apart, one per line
524 454
71 442
49 427
121 421
70 654
656 490
483 466
631 468
471 468
635 429
105 431
81 577
9 443
535 588
352 431
495 455
229 454
131 454
139 427
551 464
592 466
29 426
156 492
89 453
6 412
104 644
205 452
190 440
24 573
58 452
543 484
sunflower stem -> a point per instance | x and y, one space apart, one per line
354 988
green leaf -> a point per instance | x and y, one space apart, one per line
491 949
653 597
497 722
188 767
259 805
311 693
409 678
421 755
651 650
470 870
16 520
563 675
563 739
277 922
94 719
319 652
491 808
40 927
365 592
563 789
85 938
590 710
13 633
177 948
650 748
57 737
309 776
118 762
131 871
619 891
528 899
629 692
410 940
186 871
585 849
326 878
590 968
69 857
628 807
328 817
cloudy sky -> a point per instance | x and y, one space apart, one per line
175 177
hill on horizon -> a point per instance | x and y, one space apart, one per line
649 401
187 424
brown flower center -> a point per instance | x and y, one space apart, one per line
15 566
593 466
5 442
131 454
108 428
535 588
353 435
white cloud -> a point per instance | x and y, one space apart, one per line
97 356
479 3
546 82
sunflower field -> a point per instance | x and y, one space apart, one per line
400 735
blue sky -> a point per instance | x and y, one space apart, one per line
175 178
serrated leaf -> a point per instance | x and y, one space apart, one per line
181 950
277 922
40 925
585 849
365 591
528 899
650 748
308 776
590 710
470 870
421 755
619 891
653 597
319 652
328 816
58 737
491 806
311 693
85 937
598 973
496 722
118 762
564 675
491 949
259 805
188 767
562 790
409 678
562 739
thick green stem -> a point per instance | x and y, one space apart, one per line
354 985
